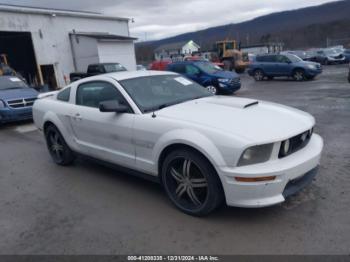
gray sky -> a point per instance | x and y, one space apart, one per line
155 19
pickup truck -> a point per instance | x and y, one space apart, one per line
97 69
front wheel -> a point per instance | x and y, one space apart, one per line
58 148
212 89
191 182
299 75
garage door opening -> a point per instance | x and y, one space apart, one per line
19 50
49 77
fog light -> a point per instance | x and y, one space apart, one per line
255 179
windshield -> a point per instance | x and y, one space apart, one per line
208 68
330 52
294 58
11 82
157 92
110 68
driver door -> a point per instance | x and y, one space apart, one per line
284 67
105 136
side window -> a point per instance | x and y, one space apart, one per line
265 59
192 70
64 95
282 59
93 93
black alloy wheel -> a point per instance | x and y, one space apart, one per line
191 183
57 146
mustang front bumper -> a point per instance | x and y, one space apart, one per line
292 174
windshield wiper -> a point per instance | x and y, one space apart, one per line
9 88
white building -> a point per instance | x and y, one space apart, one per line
46 45
175 50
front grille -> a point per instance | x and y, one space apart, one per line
21 103
235 81
297 143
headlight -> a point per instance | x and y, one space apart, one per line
256 155
223 80
311 66
285 148
2 104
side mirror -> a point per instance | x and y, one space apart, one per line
113 106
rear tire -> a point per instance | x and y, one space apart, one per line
191 182
59 150
259 75
240 71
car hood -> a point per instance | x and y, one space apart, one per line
308 63
18 93
252 120
225 74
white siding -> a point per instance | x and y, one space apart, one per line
86 52
189 48
54 47
117 51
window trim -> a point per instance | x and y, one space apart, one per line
63 90
132 111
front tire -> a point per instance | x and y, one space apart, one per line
191 183
212 89
59 150
299 75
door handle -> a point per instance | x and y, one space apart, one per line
77 117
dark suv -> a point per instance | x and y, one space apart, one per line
287 65
208 75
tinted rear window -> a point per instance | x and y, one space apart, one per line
267 58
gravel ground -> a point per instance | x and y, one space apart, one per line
91 209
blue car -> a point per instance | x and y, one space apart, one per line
16 99
287 65
346 53
208 75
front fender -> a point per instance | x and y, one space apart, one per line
190 138
54 119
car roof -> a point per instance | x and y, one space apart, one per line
119 76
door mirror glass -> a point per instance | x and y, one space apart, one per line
113 106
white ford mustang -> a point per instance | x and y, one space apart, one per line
204 149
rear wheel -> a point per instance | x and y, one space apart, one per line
259 75
191 182
240 70
299 75
57 146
